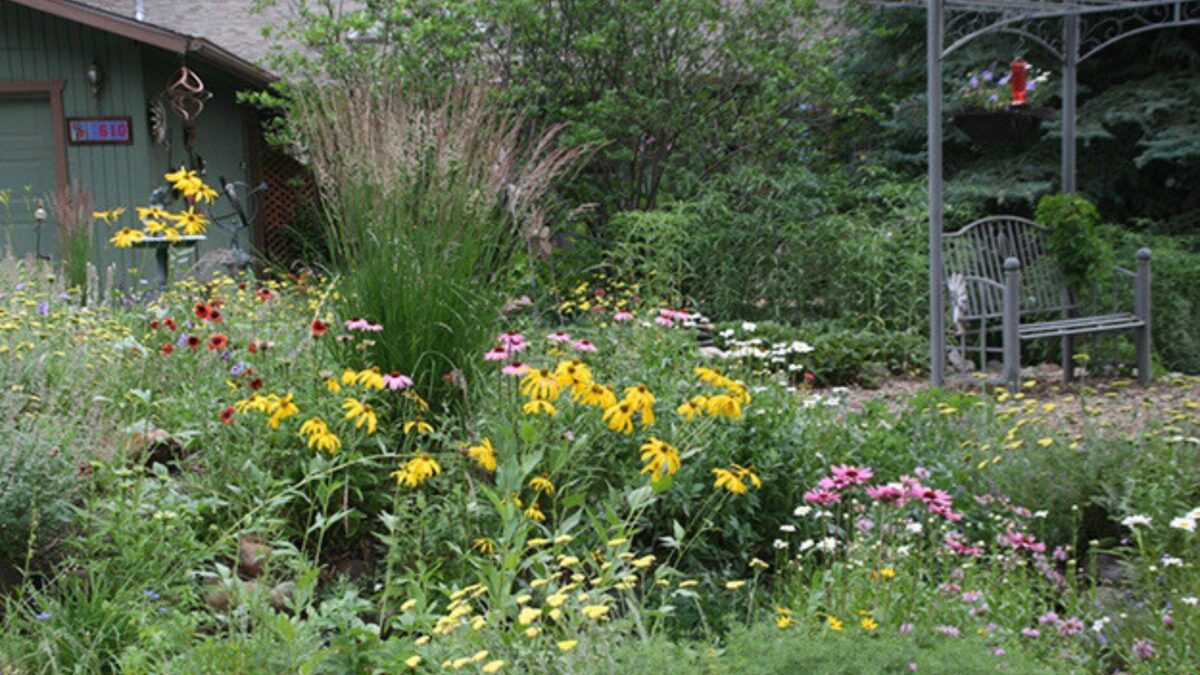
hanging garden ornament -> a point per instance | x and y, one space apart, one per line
1020 68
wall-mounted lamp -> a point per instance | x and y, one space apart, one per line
95 77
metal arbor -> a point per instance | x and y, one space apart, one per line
1070 30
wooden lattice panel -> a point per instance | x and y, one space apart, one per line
290 190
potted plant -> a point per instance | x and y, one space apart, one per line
1006 109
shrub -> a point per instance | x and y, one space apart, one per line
1072 236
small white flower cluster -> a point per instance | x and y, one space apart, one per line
1187 522
1136 521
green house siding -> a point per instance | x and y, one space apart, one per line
37 46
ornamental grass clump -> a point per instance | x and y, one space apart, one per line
427 200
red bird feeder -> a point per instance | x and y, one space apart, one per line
1020 68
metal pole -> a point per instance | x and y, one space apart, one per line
1069 93
937 333
1012 322
1070 29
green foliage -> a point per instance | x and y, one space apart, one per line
654 82
762 648
1175 293
1072 236
794 246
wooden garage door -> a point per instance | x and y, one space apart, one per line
26 172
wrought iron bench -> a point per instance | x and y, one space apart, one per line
1000 277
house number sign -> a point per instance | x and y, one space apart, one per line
100 130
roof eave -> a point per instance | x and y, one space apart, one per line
152 35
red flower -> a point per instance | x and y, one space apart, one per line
167 349
227 415
256 384
169 323
265 294
214 315
319 327
252 347
154 325
218 342
193 342
201 310
241 285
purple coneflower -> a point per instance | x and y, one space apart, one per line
584 346
396 380
516 369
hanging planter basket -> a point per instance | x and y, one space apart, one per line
1001 127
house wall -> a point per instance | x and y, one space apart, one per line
36 46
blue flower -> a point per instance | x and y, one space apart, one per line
987 75
237 368
151 594
974 81
43 616
44 308
1030 85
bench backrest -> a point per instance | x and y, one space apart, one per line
979 250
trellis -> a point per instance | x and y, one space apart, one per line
1072 31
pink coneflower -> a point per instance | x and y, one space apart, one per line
1031 632
1069 627
891 492
1020 540
829 483
395 381
622 316
663 321
822 497
906 628
673 314
851 475
948 630
864 524
559 336
355 324
513 341
516 369
583 346
497 353
945 512
955 543
932 497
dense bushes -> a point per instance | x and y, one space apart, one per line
790 245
